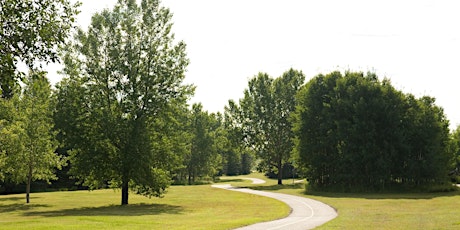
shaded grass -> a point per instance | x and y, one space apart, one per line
184 207
380 210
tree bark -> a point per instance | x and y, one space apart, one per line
124 192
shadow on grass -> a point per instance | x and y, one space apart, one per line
13 198
112 210
389 195
225 180
278 187
300 187
20 207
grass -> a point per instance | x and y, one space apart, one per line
183 207
380 211
203 207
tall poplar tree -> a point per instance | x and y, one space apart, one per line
126 72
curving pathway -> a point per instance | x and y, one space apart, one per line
305 213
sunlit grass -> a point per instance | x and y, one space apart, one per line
184 207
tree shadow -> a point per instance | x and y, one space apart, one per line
229 180
12 198
20 207
112 210
370 195
278 187
387 195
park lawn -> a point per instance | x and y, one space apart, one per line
379 211
183 207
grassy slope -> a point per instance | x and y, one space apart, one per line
184 207
382 211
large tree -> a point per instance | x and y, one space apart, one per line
125 75
29 140
267 105
31 31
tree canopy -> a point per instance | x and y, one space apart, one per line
30 32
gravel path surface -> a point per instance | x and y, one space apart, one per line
305 213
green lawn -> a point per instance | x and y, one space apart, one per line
183 207
380 211
203 207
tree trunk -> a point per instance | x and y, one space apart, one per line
29 180
280 172
124 192
28 192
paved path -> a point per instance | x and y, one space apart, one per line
305 213
255 180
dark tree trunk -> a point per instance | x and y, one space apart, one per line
29 180
28 192
124 192
280 172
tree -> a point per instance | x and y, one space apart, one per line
31 31
125 75
29 141
266 106
354 132
238 158
203 159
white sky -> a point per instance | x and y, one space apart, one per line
414 43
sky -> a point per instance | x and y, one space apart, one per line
415 44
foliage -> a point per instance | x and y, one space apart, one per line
266 108
31 31
28 140
124 83
355 132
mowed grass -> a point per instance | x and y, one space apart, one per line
379 211
183 207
